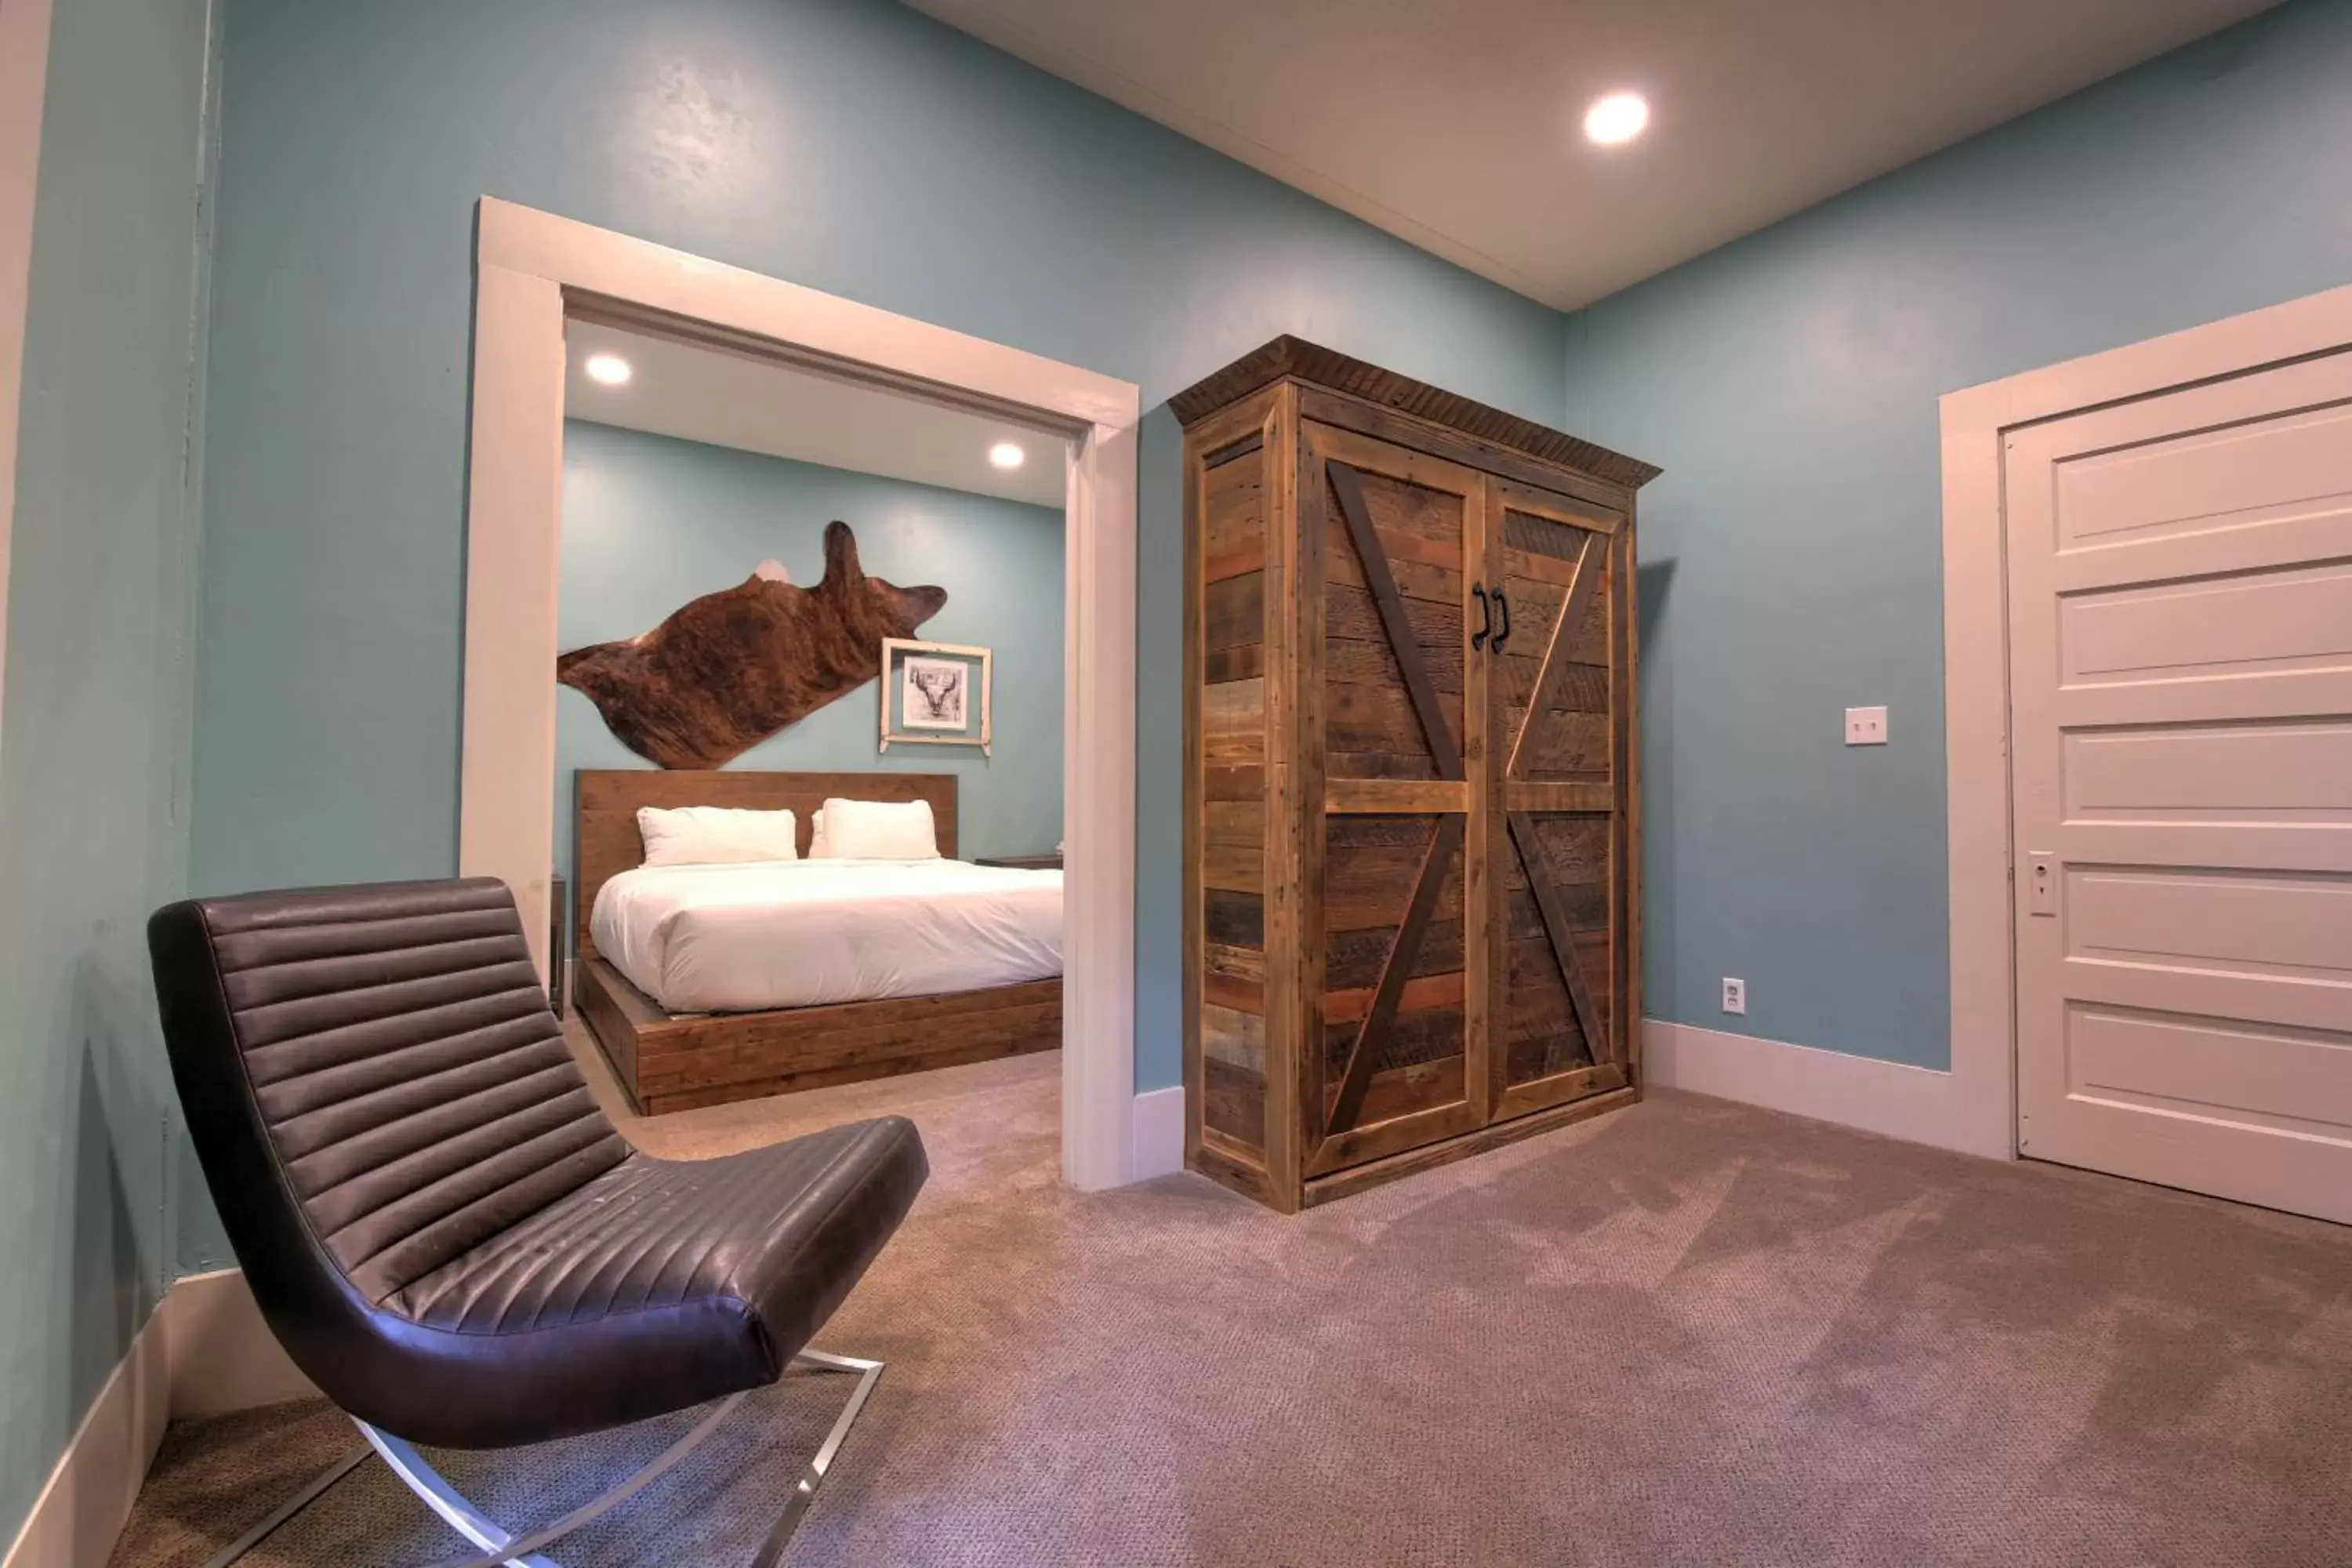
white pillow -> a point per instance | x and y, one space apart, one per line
817 851
878 830
714 835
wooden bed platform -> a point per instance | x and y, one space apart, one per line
667 1062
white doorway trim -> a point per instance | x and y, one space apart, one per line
528 265
24 77
1976 424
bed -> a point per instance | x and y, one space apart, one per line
708 983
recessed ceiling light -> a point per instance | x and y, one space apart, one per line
609 370
1616 119
1005 455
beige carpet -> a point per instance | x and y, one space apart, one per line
1692 1333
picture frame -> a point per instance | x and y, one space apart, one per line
937 694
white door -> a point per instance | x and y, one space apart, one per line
2180 668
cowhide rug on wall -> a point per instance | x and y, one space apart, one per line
725 671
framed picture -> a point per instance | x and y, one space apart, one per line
936 694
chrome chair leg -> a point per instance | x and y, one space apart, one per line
311 1492
502 1549
505 1551
805 1491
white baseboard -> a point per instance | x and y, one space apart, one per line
1916 1104
1158 1140
203 1351
82 1510
223 1356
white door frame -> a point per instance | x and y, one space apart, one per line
1976 426
23 80
527 263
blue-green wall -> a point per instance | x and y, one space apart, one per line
93 827
650 523
1791 554
852 146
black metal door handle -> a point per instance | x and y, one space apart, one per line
1504 635
1486 618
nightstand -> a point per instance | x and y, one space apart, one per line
1021 862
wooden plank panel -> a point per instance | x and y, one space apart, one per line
1190 962
1233 918
1523 831
1551 796
1355 613
1046 1036
1232 868
1362 1145
1243 662
1239 782
1233 822
1373 1047
1388 796
1411 1089
1353 959
1229 1035
1232 723
725 1047
1524 569
1591 644
1444 743
1436 582
1233 1102
1421 993
1368 661
1236 962
1576 848
1578 687
1358 718
1376 765
1366 890
1229 990
1234 612
1566 747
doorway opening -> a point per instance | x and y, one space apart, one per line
551 294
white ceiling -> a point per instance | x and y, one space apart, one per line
725 399
1455 124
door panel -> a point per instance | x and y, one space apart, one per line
1400 911
2181 616
1557 838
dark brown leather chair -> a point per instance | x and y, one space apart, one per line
442 1229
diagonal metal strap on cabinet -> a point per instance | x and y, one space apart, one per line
1442 747
1548 674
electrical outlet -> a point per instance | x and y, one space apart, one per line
1865 726
1734 995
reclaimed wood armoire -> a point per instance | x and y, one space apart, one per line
1412 916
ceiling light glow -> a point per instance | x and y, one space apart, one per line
609 370
1005 455
1616 119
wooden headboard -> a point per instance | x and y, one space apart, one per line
605 840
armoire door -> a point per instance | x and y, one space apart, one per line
1393 716
1561 657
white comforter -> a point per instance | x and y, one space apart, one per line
739 938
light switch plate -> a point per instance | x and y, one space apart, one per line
1734 995
1865 726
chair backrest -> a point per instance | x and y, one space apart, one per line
374 1083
